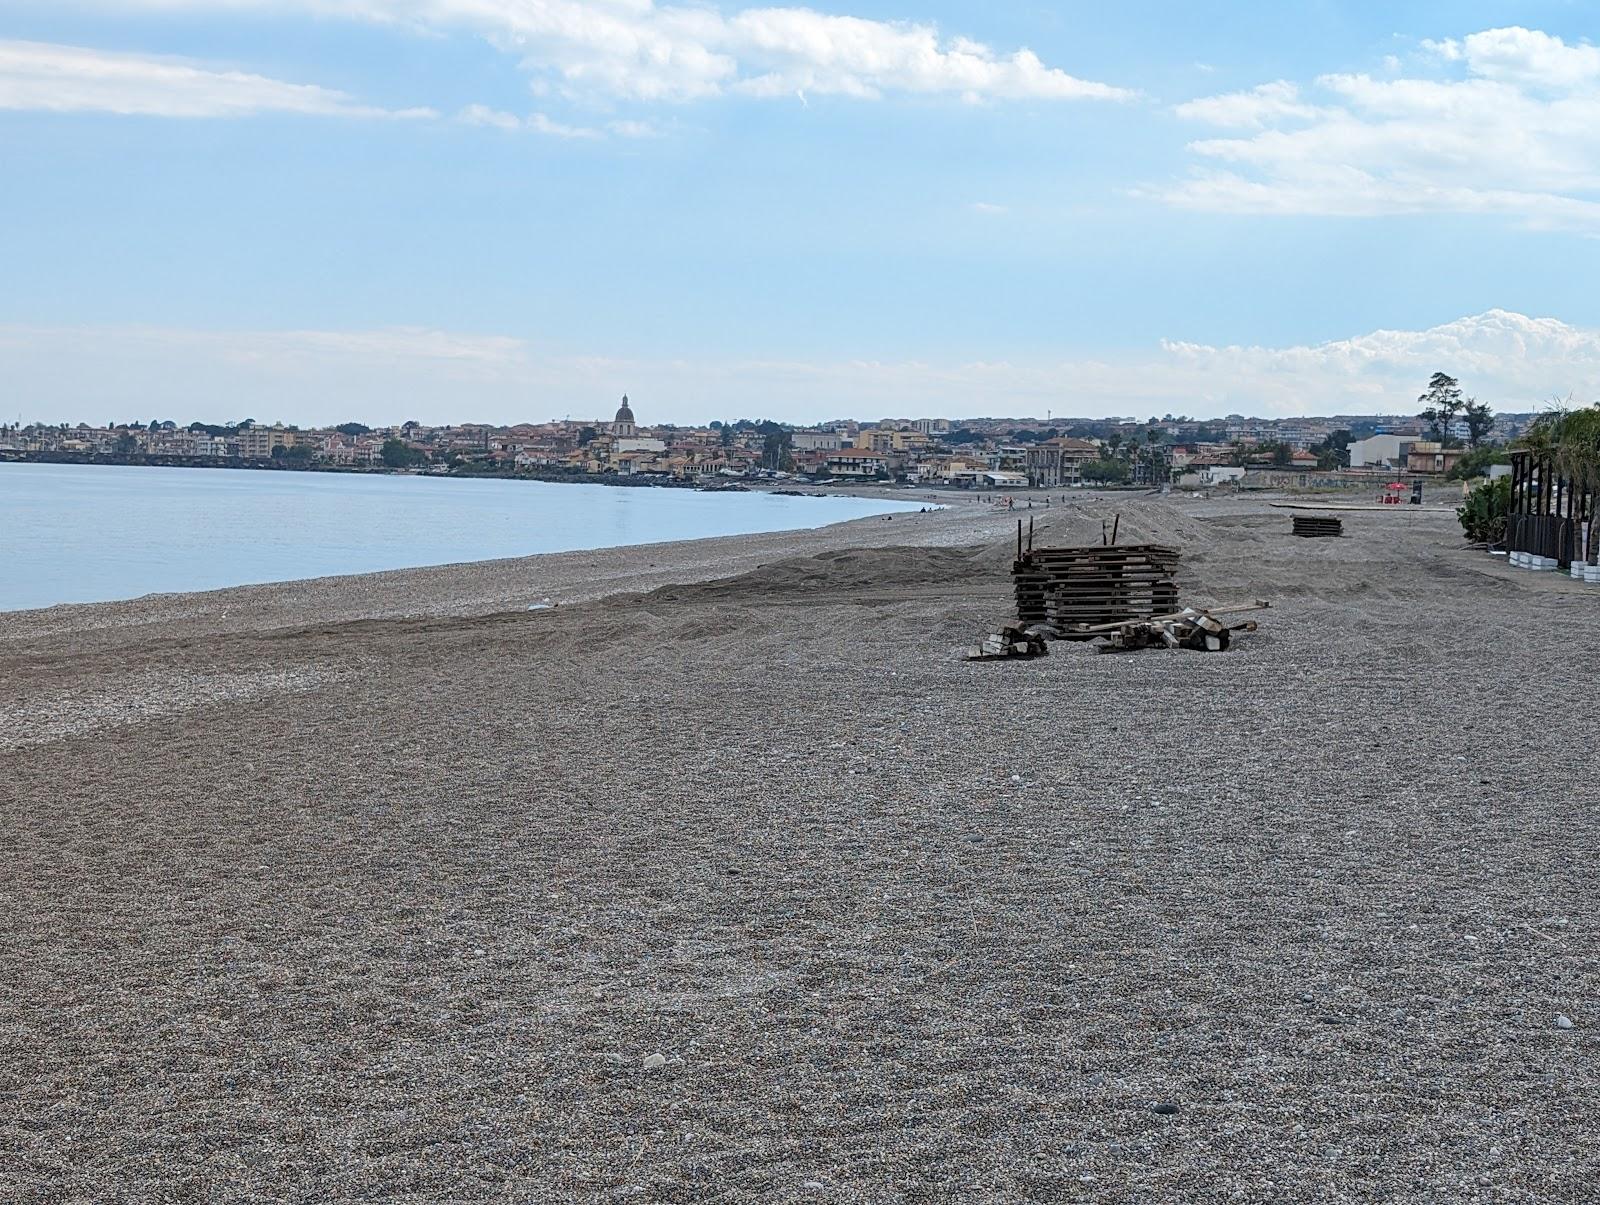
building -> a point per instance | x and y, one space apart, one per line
1425 456
857 462
623 426
257 443
1380 451
1058 462
815 441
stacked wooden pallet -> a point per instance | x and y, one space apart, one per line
1072 588
1313 526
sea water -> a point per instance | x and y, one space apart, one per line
92 533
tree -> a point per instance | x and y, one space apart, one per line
1282 455
1480 420
1476 464
1105 471
1573 441
1440 405
725 436
353 429
1334 452
776 444
397 455
279 452
587 436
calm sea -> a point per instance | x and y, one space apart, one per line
89 533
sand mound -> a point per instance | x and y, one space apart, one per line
839 573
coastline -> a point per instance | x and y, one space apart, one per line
471 588
546 521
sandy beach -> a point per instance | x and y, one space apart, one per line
393 887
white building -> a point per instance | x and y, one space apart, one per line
815 441
1380 451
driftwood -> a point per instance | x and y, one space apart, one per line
1176 616
1193 628
1010 643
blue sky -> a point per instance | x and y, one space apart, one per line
519 209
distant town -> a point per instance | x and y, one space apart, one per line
988 453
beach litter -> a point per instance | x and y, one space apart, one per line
1192 628
1122 595
1011 643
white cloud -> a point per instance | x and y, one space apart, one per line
540 123
67 373
641 50
990 208
1277 101
1515 133
1507 359
1524 56
482 115
71 79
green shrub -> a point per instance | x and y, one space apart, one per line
1476 463
1483 515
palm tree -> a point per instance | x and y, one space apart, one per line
1566 443
1577 458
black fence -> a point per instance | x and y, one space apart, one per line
1549 512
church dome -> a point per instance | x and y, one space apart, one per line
625 414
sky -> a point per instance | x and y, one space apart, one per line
315 211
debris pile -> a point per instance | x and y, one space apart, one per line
1314 526
1191 628
1069 588
1122 595
1010 642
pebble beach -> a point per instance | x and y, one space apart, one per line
713 872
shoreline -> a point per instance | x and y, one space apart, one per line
463 589
314 572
